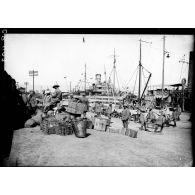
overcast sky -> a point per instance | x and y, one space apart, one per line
56 56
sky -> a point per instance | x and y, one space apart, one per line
56 56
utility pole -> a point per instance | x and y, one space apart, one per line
33 73
140 67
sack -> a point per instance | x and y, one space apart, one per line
30 123
37 118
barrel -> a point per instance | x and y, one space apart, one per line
89 124
80 128
133 133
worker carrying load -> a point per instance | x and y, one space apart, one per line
56 97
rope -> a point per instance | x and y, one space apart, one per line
181 72
132 76
117 81
135 82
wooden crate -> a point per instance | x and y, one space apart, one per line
113 130
100 124
76 108
131 133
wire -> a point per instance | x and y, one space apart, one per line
117 80
135 82
181 72
132 76
143 76
146 70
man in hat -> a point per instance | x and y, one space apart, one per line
23 95
125 116
56 97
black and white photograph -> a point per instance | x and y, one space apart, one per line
97 99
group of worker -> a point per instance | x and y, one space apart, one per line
29 100
147 116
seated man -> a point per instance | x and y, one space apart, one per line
56 97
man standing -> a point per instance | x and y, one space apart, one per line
85 101
143 120
109 111
125 116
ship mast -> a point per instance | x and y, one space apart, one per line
140 67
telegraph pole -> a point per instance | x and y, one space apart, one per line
33 73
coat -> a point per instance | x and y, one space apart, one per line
125 114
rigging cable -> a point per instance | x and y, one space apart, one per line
117 81
135 82
132 76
